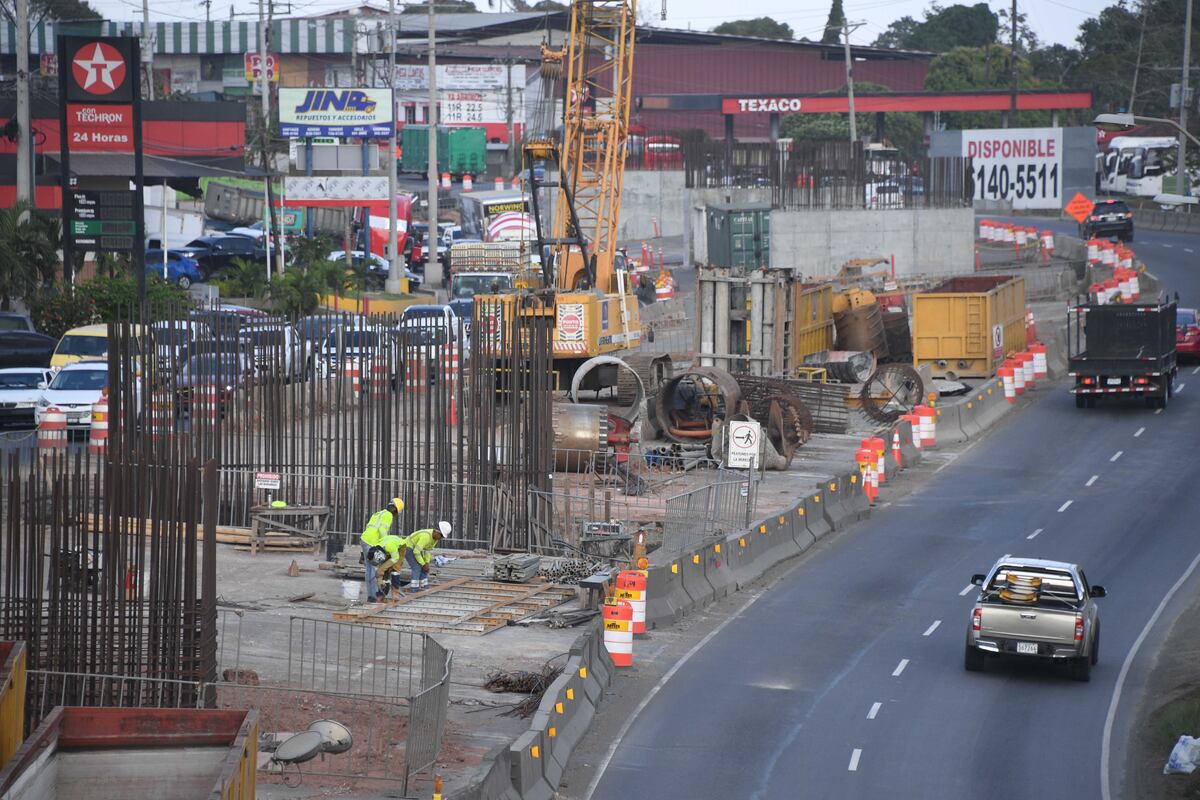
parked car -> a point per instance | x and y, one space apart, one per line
364 346
86 342
377 267
1032 608
12 321
175 341
229 372
73 391
181 269
20 390
25 349
1108 218
276 349
1187 333
215 254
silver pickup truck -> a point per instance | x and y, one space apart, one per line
1032 608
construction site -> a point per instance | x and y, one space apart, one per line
192 570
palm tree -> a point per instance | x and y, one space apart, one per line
29 242
246 278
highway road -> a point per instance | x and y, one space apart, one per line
846 680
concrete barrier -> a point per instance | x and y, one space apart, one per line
993 406
778 539
909 454
527 761
744 554
832 505
949 423
858 506
968 414
666 600
803 537
816 520
554 758
717 570
695 583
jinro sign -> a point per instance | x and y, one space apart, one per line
335 112
760 105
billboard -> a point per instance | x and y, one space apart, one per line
479 77
1023 166
335 112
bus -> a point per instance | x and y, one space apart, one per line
1133 165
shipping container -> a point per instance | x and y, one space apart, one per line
739 235
136 753
965 327
461 150
12 699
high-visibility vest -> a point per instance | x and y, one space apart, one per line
422 543
377 527
392 544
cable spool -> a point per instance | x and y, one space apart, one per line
1021 589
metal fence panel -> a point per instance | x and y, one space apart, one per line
348 658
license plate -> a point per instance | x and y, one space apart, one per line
1113 381
1028 648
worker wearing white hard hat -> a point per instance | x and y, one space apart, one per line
420 553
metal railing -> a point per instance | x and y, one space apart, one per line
721 507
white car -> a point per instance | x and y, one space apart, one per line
20 390
73 391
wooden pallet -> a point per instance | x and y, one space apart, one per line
462 605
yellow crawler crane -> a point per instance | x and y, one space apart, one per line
588 291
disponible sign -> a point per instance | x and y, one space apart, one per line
1019 165
335 112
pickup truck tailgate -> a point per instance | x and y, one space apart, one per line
1032 624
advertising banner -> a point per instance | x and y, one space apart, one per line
335 112
1020 165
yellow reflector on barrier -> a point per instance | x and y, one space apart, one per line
741 542
558 708
552 731
535 751
696 558
717 548
583 673
674 569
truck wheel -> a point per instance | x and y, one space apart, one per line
1081 669
1091 401
1080 401
972 659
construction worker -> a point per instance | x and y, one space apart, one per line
377 527
386 557
420 553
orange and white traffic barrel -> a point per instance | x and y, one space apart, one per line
1009 380
1040 368
985 226
1030 326
498 184
1030 374
52 430
1093 251
896 448
1018 374
98 434
631 587
1123 283
162 414
445 180
928 419
1135 288
865 458
915 422
618 631
1048 242
468 183
380 377
206 404
875 445
353 372
1020 233
516 182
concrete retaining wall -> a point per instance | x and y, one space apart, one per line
649 195
923 241
1169 221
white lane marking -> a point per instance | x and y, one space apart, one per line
1106 742
1034 534
1168 246
1092 480
1157 411
1179 389
900 668
966 591
854 757
932 627
874 712
1117 455
1065 506
612 748
1196 371
1141 430
1188 250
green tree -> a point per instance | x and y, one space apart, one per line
1054 66
970 68
943 29
295 292
835 23
762 27
245 278
905 131
42 10
29 241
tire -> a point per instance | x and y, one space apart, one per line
1091 402
1096 645
972 659
184 282
1081 669
1080 401
1129 236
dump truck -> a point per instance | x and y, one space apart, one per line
1033 608
493 268
1122 350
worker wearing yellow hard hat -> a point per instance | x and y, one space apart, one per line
377 527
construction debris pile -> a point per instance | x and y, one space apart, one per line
533 684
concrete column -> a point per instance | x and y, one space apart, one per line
729 139
774 127
707 319
757 324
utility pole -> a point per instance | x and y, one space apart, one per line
147 51
847 29
24 122
264 83
392 284
1137 66
1181 170
509 112
1012 66
433 137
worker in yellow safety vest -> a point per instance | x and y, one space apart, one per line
377 527
386 557
420 553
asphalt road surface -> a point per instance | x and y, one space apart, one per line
846 679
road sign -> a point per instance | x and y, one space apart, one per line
744 437
997 342
1079 207
271 481
334 190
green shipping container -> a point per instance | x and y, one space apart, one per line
461 151
739 235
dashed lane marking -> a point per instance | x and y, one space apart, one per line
1092 480
932 627
1141 430
1196 371
1065 506
1157 411
1179 389
854 757
1034 535
900 668
1117 455
874 712
966 591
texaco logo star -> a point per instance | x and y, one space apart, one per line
100 71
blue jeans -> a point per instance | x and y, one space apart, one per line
413 565
370 572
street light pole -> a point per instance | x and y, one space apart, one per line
432 235
392 286
25 191
847 28
1181 170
